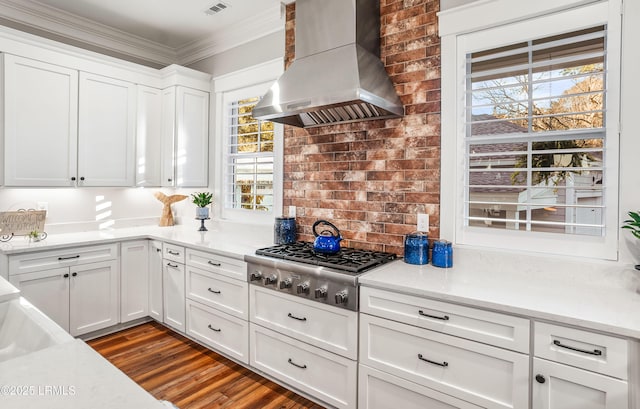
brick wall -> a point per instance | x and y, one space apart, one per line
371 178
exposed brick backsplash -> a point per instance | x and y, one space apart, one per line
371 178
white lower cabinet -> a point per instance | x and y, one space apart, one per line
80 299
380 390
481 374
155 281
173 292
134 280
220 331
326 376
558 386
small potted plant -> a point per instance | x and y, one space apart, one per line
633 224
202 200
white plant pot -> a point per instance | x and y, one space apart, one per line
202 212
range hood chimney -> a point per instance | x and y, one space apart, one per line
337 75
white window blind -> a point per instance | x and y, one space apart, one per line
249 167
535 134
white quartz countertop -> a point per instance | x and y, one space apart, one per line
69 376
224 238
7 291
598 296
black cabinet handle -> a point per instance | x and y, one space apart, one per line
214 329
296 318
213 264
66 275
169 180
74 274
297 365
443 318
443 364
596 352
173 253
73 178
540 378
158 250
213 291
68 258
172 265
81 177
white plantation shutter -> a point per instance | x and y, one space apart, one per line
535 134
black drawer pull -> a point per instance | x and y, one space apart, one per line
443 364
596 352
173 253
214 329
68 258
213 291
443 318
172 265
213 264
296 318
296 365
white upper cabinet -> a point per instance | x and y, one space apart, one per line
106 131
148 164
41 123
185 135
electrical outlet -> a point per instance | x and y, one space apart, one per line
423 222
43 206
292 211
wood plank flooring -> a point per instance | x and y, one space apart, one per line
174 368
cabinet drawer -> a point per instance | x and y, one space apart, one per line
173 253
595 352
226 266
321 374
379 390
214 290
333 329
45 260
222 332
484 375
483 326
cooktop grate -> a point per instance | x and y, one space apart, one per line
347 259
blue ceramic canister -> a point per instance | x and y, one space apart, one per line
416 248
284 230
442 254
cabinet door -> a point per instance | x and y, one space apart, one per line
41 123
558 386
192 116
148 143
106 131
174 296
134 279
168 138
155 280
48 291
94 297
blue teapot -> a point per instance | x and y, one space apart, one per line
326 241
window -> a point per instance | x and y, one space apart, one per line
534 116
249 166
248 152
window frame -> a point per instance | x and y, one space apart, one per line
253 80
500 30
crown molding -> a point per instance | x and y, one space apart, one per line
57 22
251 28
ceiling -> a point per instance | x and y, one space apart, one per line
161 31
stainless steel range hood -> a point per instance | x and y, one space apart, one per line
337 75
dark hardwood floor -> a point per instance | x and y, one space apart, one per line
174 368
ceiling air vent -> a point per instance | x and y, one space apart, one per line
216 8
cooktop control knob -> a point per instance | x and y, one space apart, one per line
256 276
286 283
272 279
303 288
321 292
342 297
